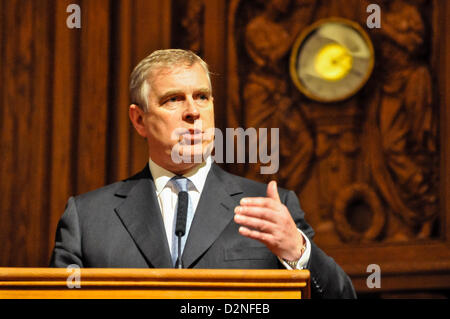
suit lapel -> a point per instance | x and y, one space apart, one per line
141 215
214 212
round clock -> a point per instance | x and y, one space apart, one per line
331 60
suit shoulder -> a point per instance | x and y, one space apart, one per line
120 188
99 192
98 199
108 196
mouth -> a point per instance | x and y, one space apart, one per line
192 136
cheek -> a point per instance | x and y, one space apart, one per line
208 117
158 129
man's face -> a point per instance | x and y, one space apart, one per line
180 114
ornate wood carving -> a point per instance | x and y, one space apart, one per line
191 25
366 169
401 123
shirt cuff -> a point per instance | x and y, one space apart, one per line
303 261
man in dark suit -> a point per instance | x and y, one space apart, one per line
233 222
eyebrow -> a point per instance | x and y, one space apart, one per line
168 94
204 91
171 93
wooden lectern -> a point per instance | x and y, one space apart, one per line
54 283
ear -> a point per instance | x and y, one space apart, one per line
136 115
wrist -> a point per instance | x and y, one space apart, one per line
301 247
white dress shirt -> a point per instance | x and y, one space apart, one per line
168 196
167 199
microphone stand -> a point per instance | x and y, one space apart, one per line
179 262
180 229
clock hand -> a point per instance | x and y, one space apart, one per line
356 72
342 59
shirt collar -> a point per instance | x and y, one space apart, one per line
197 175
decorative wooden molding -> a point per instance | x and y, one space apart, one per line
155 283
419 266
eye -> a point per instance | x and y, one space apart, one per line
172 99
202 96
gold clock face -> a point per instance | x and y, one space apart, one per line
331 60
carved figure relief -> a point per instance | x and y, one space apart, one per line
268 37
192 24
402 124
366 169
379 185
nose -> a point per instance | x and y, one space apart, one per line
191 112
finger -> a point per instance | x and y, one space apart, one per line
258 212
261 202
272 191
258 224
254 234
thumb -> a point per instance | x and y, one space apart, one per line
272 191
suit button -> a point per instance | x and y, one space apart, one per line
316 285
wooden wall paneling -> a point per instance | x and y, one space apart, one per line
425 262
40 133
444 93
441 66
93 104
150 31
16 102
64 119
7 148
1 59
234 112
120 128
438 45
24 133
20 100
215 51
232 67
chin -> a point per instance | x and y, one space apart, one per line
195 157
189 155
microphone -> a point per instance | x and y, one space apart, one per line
180 227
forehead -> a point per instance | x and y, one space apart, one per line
178 77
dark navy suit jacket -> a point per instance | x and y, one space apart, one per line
120 226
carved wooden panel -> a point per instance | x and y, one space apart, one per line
366 169
370 171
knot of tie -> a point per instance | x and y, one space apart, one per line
180 183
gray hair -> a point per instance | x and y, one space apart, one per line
139 86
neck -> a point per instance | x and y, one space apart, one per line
178 169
